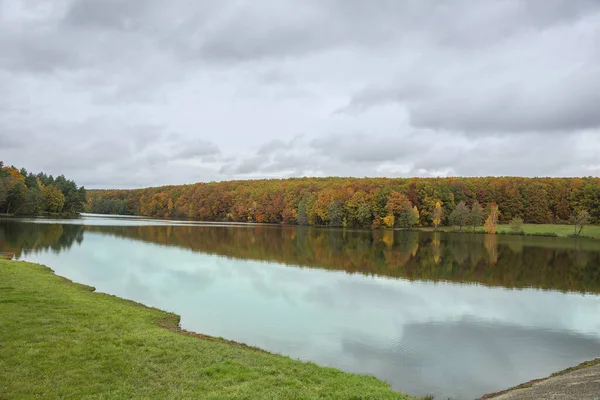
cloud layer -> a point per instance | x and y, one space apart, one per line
118 95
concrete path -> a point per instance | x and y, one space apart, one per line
583 384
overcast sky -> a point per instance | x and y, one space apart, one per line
119 93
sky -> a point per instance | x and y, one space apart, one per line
124 94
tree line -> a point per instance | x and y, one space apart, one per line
363 202
26 193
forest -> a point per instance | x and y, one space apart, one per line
363 202
26 193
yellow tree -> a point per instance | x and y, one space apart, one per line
14 173
389 220
491 223
413 216
438 214
54 199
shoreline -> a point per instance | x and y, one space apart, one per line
170 322
530 384
530 230
84 343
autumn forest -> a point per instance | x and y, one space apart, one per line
363 202
26 193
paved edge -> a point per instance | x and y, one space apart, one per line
529 384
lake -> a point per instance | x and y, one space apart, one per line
449 314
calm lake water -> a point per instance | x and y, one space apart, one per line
454 315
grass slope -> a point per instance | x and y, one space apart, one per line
59 339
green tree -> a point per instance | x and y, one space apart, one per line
476 216
409 216
460 215
335 214
74 197
15 195
304 207
579 220
54 200
3 193
34 201
364 215
358 210
413 217
516 225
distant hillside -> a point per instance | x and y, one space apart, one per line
355 202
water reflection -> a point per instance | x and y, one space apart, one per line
507 261
447 339
25 238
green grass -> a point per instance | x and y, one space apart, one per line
583 365
559 230
59 339
592 231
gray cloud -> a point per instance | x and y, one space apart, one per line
561 102
344 87
365 148
107 14
190 149
422 153
11 140
254 31
245 166
271 147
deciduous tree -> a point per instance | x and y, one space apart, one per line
476 216
491 223
460 216
410 217
15 195
579 220
335 214
438 214
389 220
396 204
54 200
365 201
3 192
516 225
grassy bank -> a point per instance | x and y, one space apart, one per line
60 339
592 231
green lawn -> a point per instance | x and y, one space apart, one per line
59 339
533 229
560 230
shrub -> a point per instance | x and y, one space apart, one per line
516 225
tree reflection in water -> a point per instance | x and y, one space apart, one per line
509 261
